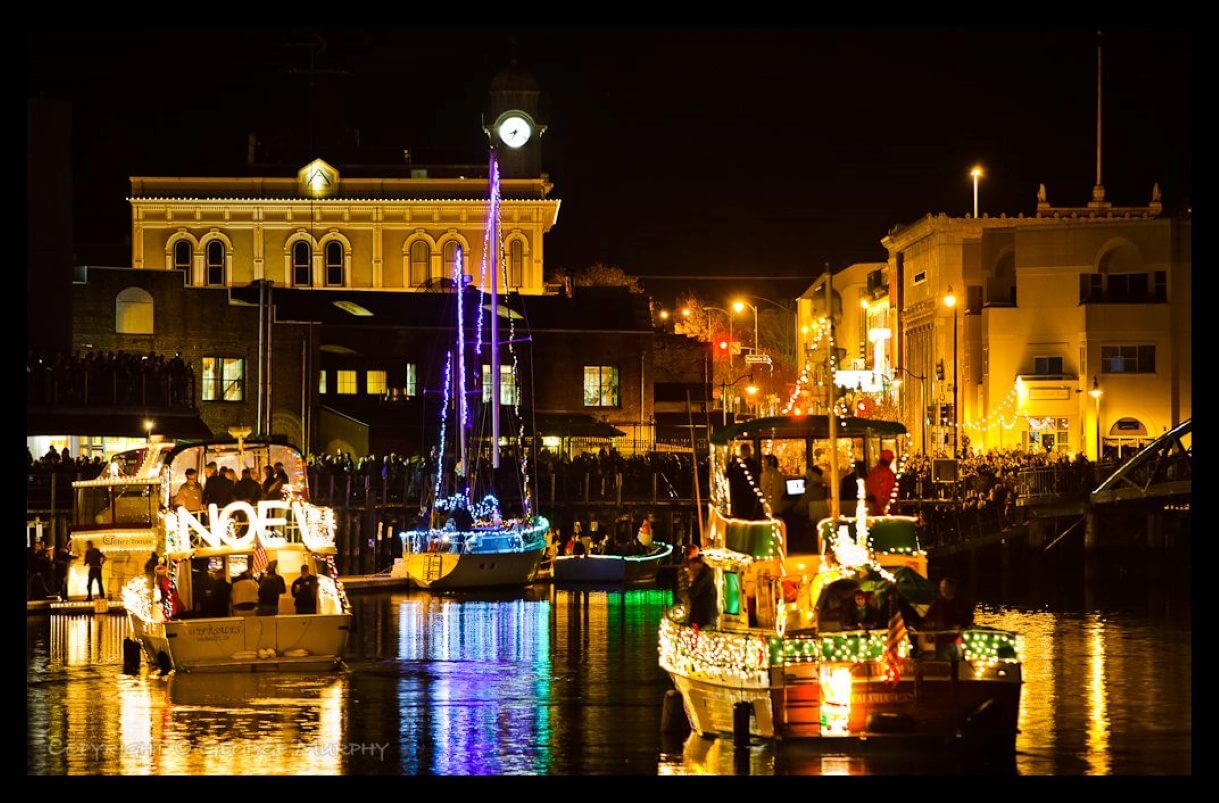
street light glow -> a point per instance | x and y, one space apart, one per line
976 172
1096 392
685 312
664 315
752 390
950 300
738 306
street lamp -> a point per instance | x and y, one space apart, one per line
739 306
795 323
950 301
664 315
976 173
148 425
1096 393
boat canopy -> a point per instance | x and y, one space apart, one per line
805 426
887 535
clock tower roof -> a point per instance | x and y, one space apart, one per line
514 78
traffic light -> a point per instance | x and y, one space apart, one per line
939 371
862 408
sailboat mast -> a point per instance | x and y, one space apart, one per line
494 312
462 416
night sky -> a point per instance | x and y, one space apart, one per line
709 152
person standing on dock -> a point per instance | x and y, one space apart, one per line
94 560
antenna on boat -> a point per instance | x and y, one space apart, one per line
495 378
240 433
829 390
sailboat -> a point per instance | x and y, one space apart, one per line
465 538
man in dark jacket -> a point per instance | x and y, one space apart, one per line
304 592
217 595
703 611
248 489
218 490
270 588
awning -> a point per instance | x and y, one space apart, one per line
125 422
571 425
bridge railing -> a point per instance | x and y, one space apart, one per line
1075 480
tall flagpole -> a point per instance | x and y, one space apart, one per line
494 312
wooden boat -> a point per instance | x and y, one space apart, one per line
611 568
778 655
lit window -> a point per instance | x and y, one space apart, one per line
223 379
347 382
133 312
334 264
215 263
182 258
450 257
375 382
419 263
509 393
302 267
516 263
410 379
600 386
321 381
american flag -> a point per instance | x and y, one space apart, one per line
260 556
897 634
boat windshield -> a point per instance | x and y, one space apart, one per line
256 457
107 506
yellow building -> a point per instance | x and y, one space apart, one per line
864 322
1048 309
323 230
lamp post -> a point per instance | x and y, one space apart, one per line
976 173
725 384
148 424
795 324
950 301
739 306
1096 393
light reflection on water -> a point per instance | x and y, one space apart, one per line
558 682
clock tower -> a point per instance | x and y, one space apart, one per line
511 122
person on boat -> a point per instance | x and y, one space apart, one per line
94 560
741 490
772 484
702 594
270 589
879 484
271 484
816 495
848 490
190 493
948 611
861 615
169 592
304 592
685 574
150 566
218 489
217 596
247 489
282 477
245 595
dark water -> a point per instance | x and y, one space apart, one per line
562 682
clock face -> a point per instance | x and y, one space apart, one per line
515 131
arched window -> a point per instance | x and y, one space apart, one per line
334 264
516 264
215 263
133 312
419 263
1002 289
450 257
182 258
302 264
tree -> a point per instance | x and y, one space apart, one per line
602 275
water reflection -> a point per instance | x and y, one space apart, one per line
561 682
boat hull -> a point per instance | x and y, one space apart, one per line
607 568
224 645
981 707
442 571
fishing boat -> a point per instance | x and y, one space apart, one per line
783 660
469 540
127 513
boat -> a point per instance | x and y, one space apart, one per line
127 513
469 540
611 568
781 659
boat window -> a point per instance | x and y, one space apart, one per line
110 505
832 606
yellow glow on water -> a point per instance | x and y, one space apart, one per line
1098 708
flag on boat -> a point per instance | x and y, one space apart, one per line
260 556
897 634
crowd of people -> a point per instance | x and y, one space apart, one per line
62 462
101 378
